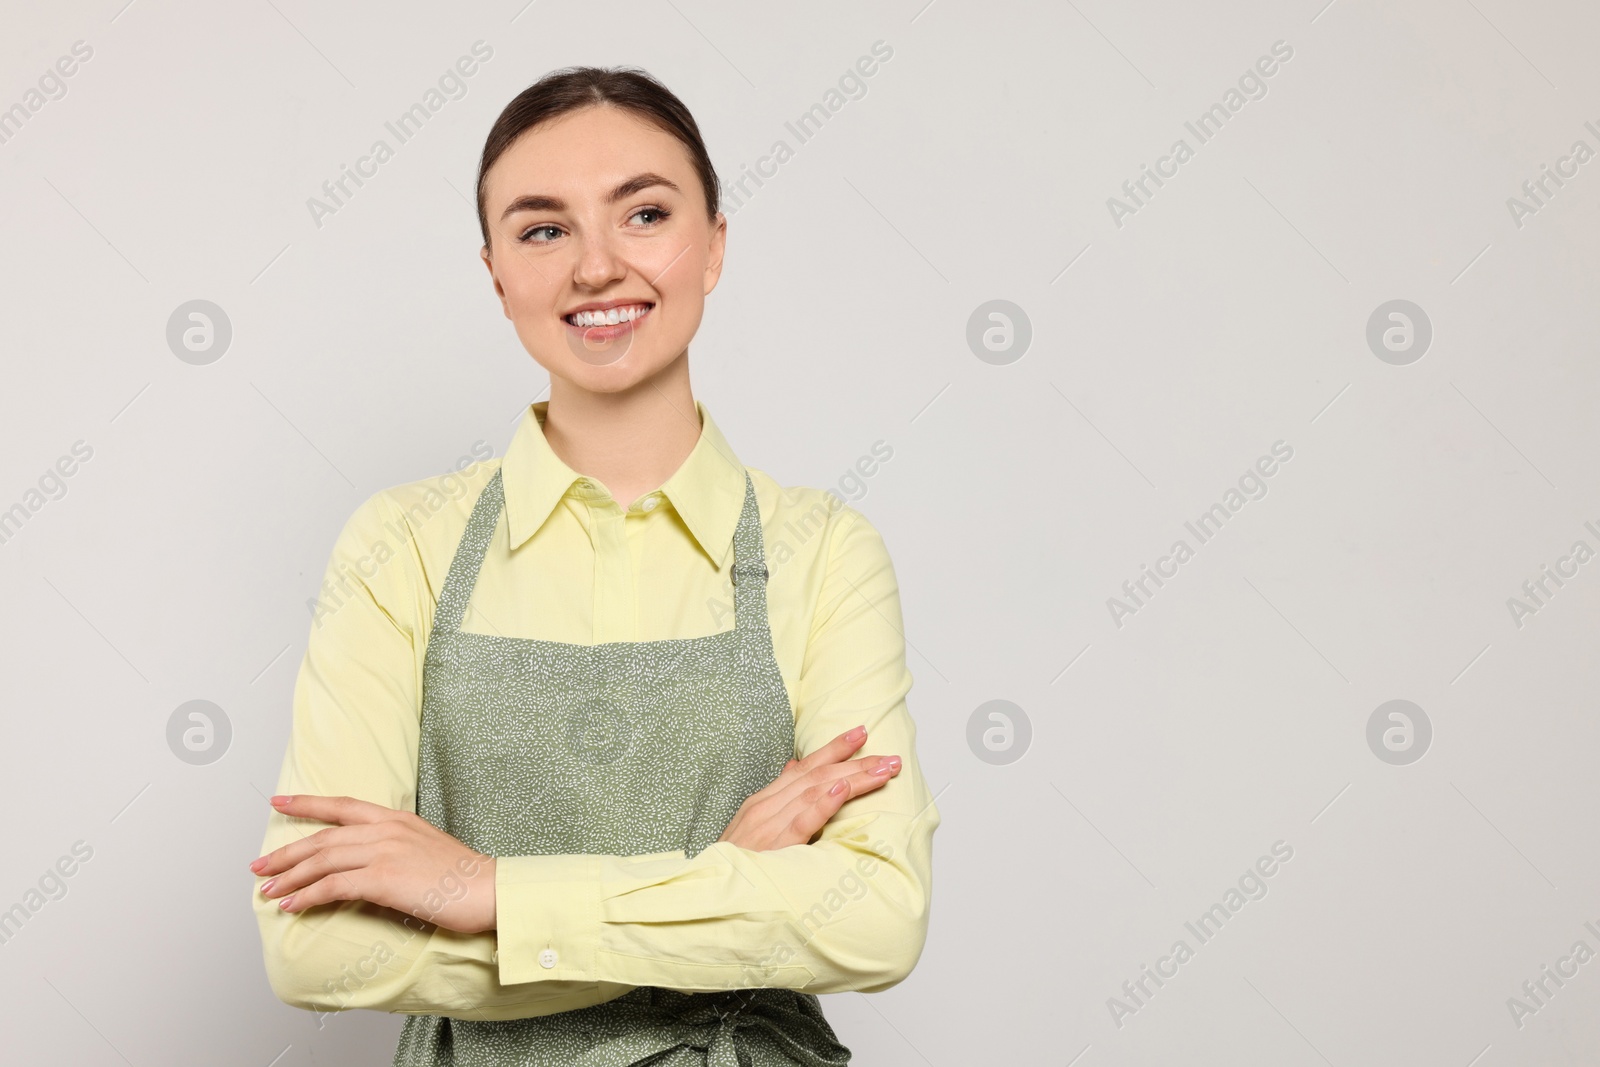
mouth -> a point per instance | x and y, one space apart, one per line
601 324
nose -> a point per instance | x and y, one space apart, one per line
599 263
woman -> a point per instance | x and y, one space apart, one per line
541 793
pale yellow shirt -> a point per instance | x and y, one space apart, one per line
568 563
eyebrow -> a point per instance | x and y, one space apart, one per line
539 202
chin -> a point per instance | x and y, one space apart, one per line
626 373
630 365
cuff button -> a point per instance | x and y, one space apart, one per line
548 958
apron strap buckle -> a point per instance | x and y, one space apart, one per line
734 572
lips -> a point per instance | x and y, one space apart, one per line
594 324
607 313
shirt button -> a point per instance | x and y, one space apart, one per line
548 958
650 502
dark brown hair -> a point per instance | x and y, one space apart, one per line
572 88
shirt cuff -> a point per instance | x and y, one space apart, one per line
547 917
549 910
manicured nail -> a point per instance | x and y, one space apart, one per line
285 902
857 734
838 787
888 766
256 865
279 801
266 889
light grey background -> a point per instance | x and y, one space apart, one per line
1227 313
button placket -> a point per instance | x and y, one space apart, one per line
616 598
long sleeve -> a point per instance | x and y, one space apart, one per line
355 733
846 912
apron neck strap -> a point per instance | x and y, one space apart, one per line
468 560
748 571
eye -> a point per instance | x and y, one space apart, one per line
661 213
527 235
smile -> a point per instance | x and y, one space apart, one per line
609 317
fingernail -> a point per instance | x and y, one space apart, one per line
279 801
256 865
857 734
267 888
888 766
838 787
284 903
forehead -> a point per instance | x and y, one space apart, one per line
584 154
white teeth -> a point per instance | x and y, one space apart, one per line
609 317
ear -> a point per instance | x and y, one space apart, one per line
719 244
499 290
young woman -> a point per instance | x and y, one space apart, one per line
542 792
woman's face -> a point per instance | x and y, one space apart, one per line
597 207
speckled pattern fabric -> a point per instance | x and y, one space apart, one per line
532 747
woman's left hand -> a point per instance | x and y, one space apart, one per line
394 858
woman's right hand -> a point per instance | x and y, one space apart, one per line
793 808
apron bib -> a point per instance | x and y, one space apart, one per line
532 747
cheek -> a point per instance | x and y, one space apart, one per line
528 291
671 269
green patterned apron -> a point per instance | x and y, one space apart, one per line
532 747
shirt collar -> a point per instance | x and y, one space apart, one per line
707 489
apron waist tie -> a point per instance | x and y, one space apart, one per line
713 1025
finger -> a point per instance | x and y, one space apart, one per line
783 781
281 859
783 791
834 751
336 863
343 810
765 793
809 802
809 816
810 809
338 886
795 779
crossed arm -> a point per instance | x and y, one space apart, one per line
808 890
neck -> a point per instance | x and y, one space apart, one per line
630 441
